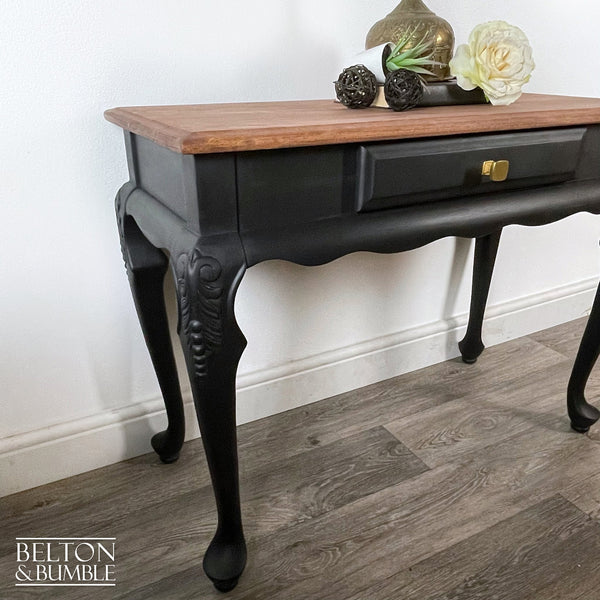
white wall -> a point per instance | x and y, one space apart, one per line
77 388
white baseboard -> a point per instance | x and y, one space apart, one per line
52 453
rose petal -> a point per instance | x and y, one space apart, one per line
461 66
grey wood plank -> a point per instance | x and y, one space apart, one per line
295 489
274 494
134 481
89 505
183 585
563 338
374 537
380 403
283 493
156 544
585 494
484 417
275 562
550 551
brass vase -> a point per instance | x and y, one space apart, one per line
413 15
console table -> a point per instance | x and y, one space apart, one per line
215 189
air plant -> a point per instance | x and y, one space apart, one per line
413 57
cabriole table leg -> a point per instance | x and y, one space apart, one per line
582 414
207 280
146 268
486 249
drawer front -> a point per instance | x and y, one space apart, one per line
414 172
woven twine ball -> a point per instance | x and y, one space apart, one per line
403 89
356 87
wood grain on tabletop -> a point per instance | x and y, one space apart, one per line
206 128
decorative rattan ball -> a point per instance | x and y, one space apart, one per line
403 89
356 87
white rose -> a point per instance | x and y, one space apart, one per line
498 59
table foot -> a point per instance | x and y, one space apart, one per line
163 445
582 414
470 352
224 563
226 586
579 429
469 361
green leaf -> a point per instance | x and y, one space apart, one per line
415 61
421 71
401 57
411 52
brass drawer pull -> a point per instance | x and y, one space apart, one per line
496 170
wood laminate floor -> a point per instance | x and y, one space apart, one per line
454 482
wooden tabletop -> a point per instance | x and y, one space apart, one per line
206 128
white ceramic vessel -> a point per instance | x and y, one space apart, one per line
374 59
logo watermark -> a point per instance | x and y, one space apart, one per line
65 562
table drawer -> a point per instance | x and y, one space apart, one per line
403 173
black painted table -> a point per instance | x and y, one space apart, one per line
215 189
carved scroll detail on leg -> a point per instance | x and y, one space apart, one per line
200 318
120 202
